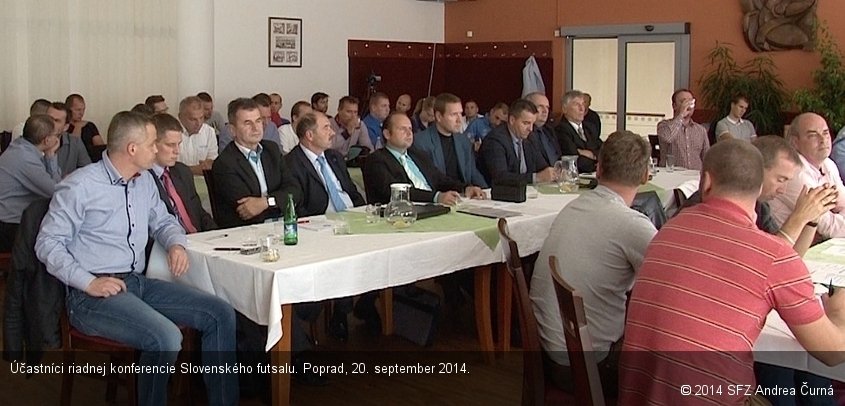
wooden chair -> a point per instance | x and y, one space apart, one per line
579 344
535 392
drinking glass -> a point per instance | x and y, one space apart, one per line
373 213
670 163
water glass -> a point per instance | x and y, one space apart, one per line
340 226
250 238
652 168
670 163
373 213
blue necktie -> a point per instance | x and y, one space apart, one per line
253 156
334 195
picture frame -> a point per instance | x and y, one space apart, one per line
284 45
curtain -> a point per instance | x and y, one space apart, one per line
113 53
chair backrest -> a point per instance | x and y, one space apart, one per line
579 343
533 384
212 195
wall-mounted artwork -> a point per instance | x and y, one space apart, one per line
285 42
773 25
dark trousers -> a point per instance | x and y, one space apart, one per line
8 231
562 378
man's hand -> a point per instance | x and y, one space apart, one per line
249 207
834 307
105 286
587 153
206 164
177 260
812 203
474 192
449 198
546 175
476 145
53 144
685 110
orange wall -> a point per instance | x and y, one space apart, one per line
711 21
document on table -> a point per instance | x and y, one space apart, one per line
825 272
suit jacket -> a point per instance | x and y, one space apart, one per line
497 158
570 143
592 119
234 179
315 198
544 137
381 169
72 154
428 140
183 182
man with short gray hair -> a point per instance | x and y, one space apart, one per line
574 137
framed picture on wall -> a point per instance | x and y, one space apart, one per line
285 42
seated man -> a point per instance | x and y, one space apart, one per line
39 106
544 133
470 114
347 125
270 131
810 136
576 138
479 127
600 243
250 184
400 162
423 114
174 179
403 104
71 153
448 149
733 124
212 117
98 251
276 104
320 102
199 147
321 174
709 279
379 109
287 132
680 136
507 154
29 170
157 103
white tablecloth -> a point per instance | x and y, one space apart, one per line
324 266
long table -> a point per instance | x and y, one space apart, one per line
326 266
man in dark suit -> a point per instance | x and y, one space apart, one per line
321 174
447 147
508 154
544 134
576 138
400 162
591 118
250 184
312 161
174 179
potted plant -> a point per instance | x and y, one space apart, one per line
756 79
826 97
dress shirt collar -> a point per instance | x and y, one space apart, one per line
113 174
244 150
817 170
575 125
396 153
312 156
158 170
516 140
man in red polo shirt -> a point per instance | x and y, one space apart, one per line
707 283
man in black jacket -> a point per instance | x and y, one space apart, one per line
250 183
174 179
575 136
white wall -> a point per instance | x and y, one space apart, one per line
240 43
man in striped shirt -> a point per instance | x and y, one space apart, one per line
680 136
708 281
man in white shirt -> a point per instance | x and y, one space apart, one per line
810 136
287 132
199 142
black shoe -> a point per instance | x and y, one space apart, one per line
307 378
365 309
339 327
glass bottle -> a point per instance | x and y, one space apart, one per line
400 211
291 231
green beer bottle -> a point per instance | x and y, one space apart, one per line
291 231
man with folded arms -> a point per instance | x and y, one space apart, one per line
199 142
29 170
810 136
270 132
600 243
574 136
174 179
709 279
98 251
450 151
400 162
509 155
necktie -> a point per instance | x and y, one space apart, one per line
181 212
331 187
522 167
418 182
581 133
253 156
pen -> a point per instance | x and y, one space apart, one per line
217 237
226 249
303 221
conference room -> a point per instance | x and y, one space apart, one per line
221 92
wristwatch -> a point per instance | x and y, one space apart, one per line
271 201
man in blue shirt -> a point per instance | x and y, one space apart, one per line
478 129
379 109
98 251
